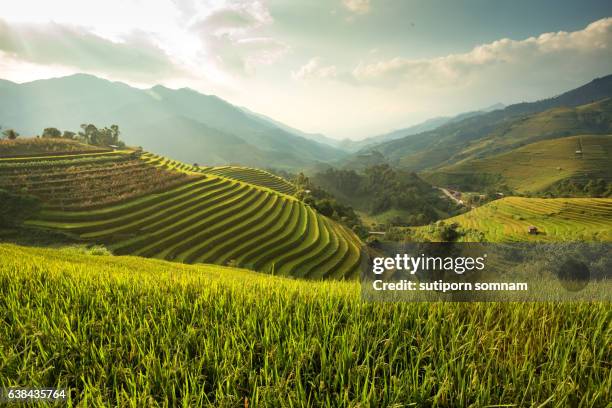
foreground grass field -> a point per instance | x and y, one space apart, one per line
557 219
127 331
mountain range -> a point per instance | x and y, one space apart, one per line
182 123
502 130
194 127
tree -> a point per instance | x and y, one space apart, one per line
100 137
10 134
68 135
51 133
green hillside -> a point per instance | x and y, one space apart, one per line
128 331
147 205
557 219
533 167
91 180
572 113
253 176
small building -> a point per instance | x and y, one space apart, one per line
380 233
533 230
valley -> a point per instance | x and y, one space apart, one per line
223 269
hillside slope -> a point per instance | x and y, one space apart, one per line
533 167
203 217
557 219
485 134
182 123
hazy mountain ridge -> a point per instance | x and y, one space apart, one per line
452 142
210 128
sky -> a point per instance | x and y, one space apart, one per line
344 68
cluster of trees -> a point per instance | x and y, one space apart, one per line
10 134
89 134
326 204
580 188
381 188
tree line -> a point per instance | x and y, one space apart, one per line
89 134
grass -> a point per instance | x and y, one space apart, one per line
557 219
533 167
127 331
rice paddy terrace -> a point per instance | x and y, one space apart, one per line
253 176
141 204
556 219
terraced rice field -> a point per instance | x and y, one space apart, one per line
253 176
44 146
149 206
557 219
84 181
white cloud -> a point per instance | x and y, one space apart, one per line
231 36
553 53
313 70
357 6
64 45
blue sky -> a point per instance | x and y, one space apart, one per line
346 68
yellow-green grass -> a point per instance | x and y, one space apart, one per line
257 177
556 219
219 220
536 166
129 331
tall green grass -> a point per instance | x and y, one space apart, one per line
127 331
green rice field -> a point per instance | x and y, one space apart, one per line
556 219
129 331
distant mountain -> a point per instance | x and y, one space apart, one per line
317 137
502 129
184 124
429 124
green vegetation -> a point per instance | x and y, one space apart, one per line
37 146
10 134
256 177
480 136
90 134
537 167
509 219
75 182
127 331
380 190
16 208
143 204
